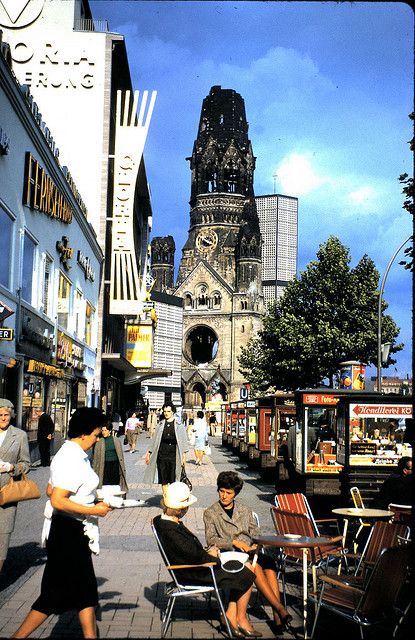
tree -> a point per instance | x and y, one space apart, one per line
409 193
326 316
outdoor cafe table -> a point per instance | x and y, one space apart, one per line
300 542
350 513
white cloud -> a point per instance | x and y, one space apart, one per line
362 196
297 176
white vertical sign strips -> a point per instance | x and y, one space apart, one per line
127 290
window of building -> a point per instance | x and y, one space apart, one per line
63 300
188 301
89 316
47 275
28 267
5 247
78 313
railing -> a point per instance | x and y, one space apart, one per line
87 24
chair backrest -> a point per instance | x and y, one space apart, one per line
382 536
357 498
164 556
401 512
297 503
294 523
384 584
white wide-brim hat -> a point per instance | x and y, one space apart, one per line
178 496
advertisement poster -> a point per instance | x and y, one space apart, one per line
139 345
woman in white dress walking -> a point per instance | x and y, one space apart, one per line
200 429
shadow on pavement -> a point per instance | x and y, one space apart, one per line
19 560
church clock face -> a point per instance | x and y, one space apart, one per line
206 240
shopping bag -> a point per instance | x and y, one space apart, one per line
185 479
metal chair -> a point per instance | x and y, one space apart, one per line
359 504
374 603
179 590
301 524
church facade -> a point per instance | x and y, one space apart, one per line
219 275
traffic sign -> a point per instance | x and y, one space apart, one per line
6 334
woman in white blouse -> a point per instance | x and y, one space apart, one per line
69 579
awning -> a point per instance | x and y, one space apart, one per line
145 374
118 361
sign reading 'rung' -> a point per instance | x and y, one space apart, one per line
127 288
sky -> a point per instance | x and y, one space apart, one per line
327 87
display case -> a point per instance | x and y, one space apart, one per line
349 436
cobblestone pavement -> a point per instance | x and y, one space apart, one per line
131 576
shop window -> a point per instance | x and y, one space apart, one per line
63 300
89 316
47 275
78 313
6 224
28 267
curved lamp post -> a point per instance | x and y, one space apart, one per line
382 286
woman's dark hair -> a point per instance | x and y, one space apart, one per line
169 404
200 414
85 420
229 480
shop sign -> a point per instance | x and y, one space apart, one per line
139 345
78 357
64 349
381 410
6 334
44 369
4 143
85 264
5 311
319 398
65 252
42 194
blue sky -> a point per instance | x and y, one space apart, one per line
327 87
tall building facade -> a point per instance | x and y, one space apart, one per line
278 221
74 67
219 275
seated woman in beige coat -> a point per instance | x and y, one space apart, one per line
230 525
108 460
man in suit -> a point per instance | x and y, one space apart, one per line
45 430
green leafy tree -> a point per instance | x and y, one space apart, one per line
327 315
408 191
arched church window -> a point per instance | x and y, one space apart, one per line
188 300
231 177
217 299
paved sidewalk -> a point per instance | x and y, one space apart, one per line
131 576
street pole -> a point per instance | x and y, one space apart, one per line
382 287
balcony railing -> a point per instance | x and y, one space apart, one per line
87 24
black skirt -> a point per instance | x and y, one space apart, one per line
69 581
166 464
111 472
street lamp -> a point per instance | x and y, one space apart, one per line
381 360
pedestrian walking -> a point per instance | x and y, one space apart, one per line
45 434
151 423
69 580
116 423
200 429
14 460
108 460
166 454
132 429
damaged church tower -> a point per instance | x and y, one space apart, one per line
219 276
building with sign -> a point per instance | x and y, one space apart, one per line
278 221
50 267
78 72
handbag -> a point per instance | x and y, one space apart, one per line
185 479
18 490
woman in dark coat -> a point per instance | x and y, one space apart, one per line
167 450
183 547
108 460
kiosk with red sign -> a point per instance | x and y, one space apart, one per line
345 438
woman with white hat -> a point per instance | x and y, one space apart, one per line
183 547
14 460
